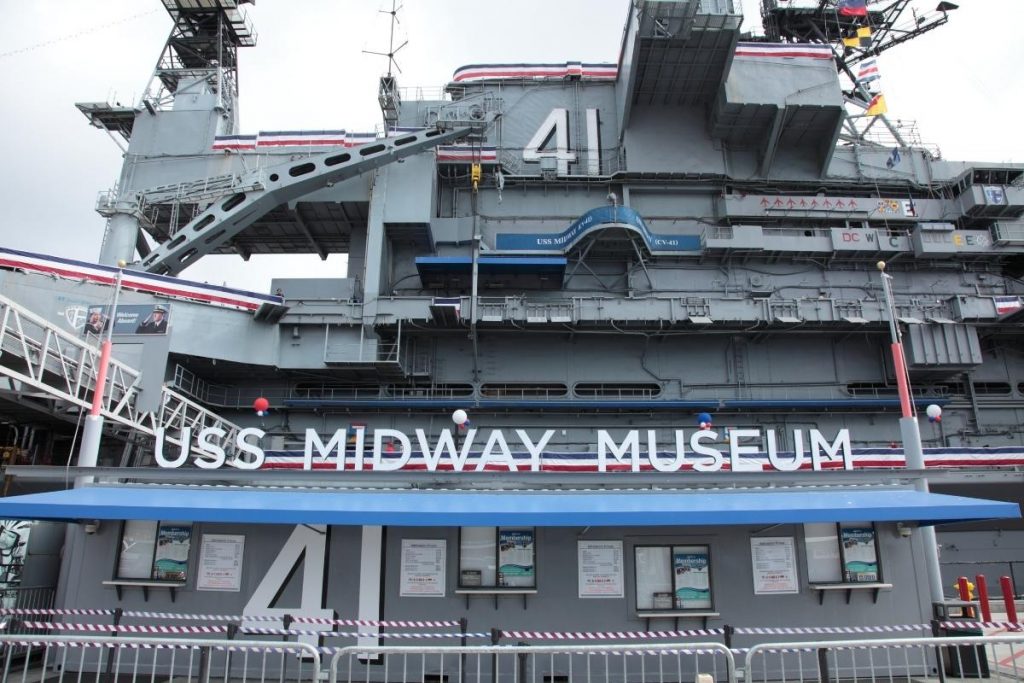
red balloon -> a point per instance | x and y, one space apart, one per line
260 405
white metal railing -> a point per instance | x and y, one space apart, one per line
38 354
973 656
142 660
623 663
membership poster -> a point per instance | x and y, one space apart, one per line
170 561
600 569
423 568
515 558
220 563
860 561
774 561
692 579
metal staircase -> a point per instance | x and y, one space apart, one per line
56 371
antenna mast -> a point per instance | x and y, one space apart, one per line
387 94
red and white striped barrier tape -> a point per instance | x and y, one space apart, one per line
369 622
1010 625
193 617
56 612
654 651
123 628
255 630
802 630
166 645
610 635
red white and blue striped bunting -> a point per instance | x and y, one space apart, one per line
267 140
568 70
784 50
1006 304
149 283
467 154
552 461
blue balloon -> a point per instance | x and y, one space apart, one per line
703 417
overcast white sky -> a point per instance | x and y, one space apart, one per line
962 83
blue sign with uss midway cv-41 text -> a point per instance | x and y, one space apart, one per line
601 217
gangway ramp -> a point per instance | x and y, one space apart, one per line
50 369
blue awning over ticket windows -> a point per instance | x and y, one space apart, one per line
472 508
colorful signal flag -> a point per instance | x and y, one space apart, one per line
861 41
868 71
894 158
852 8
877 105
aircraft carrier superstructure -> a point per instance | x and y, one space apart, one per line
684 238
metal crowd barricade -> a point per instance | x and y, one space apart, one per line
564 663
896 659
105 659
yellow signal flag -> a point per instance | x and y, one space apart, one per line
861 41
877 105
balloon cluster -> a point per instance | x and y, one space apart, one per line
261 406
704 420
460 418
934 413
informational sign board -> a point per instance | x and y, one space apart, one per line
170 561
600 569
516 551
220 563
423 568
691 565
774 564
860 557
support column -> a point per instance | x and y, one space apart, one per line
371 571
374 262
120 239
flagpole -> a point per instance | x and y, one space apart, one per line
92 431
910 431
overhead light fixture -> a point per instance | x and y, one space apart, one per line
946 6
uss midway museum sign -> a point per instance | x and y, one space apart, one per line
497 450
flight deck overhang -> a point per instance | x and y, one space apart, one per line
675 52
539 272
781 98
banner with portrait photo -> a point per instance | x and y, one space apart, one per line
130 319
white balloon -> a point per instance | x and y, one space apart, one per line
460 417
933 411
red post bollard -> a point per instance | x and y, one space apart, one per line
986 610
1011 607
965 595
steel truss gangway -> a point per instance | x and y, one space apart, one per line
60 368
229 215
